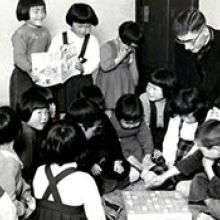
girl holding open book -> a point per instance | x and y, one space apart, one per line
30 37
80 49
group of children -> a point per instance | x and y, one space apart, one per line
115 150
108 138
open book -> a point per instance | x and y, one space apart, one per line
49 69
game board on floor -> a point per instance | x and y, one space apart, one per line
155 205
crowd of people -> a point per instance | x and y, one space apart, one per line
64 147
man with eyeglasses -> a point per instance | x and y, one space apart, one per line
197 53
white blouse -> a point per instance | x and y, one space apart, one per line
76 189
92 53
171 138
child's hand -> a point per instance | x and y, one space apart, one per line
134 161
155 181
96 170
118 168
79 66
31 203
147 176
147 162
35 78
20 206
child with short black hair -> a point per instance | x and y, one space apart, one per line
11 166
29 38
118 73
61 189
80 50
155 100
105 160
33 110
205 166
133 133
189 110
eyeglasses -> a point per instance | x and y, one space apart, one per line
192 41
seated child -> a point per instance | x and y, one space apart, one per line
155 101
105 160
204 164
33 110
62 191
188 110
133 133
11 166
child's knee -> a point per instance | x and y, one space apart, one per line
134 175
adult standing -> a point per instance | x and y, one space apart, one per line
197 53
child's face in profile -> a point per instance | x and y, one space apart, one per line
36 15
212 153
154 92
39 118
81 29
129 124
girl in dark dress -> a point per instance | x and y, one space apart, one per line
31 37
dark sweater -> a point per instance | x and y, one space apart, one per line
201 69
204 188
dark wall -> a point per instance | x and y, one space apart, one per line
156 19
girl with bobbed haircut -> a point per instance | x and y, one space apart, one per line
33 111
190 20
166 80
160 88
31 37
60 177
78 42
129 108
189 110
23 8
64 143
30 101
118 73
130 33
81 13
